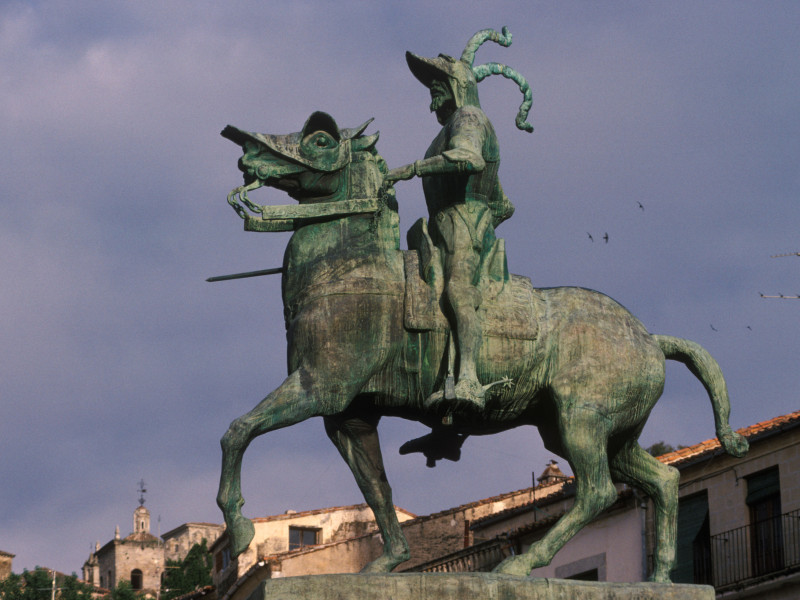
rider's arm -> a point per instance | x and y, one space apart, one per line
464 150
463 155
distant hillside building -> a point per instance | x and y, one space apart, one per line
141 557
138 558
5 564
178 541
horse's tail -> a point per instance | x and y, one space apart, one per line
705 368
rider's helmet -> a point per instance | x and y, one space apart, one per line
463 78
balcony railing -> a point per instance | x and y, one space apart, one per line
761 550
483 557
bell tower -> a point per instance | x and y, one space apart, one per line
141 516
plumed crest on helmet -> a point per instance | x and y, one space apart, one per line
463 77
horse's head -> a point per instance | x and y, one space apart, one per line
310 165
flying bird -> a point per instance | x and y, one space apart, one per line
640 205
750 328
591 239
605 237
714 328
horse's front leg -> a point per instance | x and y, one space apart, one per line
289 404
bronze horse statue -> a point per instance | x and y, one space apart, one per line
366 340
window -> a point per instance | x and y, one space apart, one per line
766 533
693 548
222 559
586 576
301 537
136 579
591 568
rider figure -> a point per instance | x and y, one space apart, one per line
462 190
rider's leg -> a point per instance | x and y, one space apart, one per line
462 261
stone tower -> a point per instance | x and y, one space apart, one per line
138 557
141 520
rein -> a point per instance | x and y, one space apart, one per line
284 217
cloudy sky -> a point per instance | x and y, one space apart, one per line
119 362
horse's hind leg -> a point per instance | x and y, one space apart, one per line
292 402
634 466
585 438
357 441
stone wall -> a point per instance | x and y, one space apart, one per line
180 540
5 564
119 558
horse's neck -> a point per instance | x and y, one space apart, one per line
352 246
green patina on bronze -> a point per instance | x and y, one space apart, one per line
369 325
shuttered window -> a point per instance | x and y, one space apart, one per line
692 515
762 485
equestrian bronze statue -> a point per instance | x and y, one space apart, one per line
370 327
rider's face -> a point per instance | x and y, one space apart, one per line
441 100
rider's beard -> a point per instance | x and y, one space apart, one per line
436 102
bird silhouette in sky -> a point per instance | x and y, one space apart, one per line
591 239
605 237
714 328
640 205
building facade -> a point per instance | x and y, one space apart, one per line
738 523
739 519
137 558
272 555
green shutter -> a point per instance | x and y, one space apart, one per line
762 485
692 512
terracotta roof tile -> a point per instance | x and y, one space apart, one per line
679 457
318 511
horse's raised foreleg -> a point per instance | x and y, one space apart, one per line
292 402
584 434
357 441
634 466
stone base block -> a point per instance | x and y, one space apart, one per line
464 586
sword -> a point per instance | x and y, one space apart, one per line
247 274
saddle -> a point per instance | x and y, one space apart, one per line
508 307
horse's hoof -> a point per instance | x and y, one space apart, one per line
383 564
513 565
241 533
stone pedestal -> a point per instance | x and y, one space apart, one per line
465 586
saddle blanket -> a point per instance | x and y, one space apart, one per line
509 311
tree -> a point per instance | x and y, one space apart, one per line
660 448
193 572
70 588
38 585
124 591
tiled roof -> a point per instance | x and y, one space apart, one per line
712 446
142 536
318 511
4 553
543 494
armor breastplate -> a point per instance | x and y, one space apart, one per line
447 189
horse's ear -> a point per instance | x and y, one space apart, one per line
355 131
366 142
